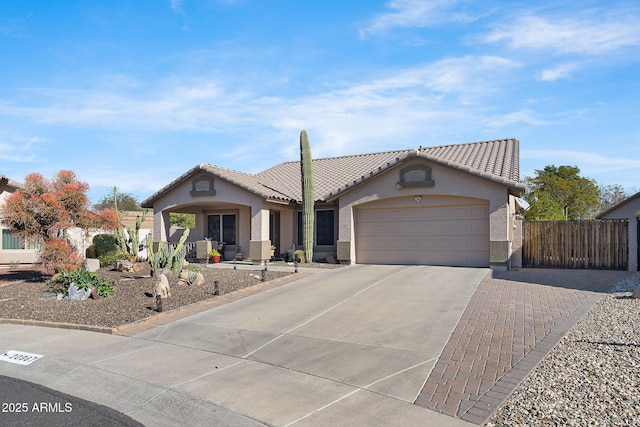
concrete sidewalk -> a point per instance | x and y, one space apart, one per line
351 346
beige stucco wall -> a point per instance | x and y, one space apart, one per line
287 228
447 182
227 197
628 211
515 233
252 212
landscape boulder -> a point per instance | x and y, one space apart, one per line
183 278
76 294
91 264
331 258
162 287
128 266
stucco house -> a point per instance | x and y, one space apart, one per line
449 205
13 250
628 209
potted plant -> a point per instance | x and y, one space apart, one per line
215 256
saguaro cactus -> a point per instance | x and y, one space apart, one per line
307 196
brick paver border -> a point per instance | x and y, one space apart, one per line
512 321
487 404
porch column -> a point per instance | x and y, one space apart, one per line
499 243
260 245
160 226
346 238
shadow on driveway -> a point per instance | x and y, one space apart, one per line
583 280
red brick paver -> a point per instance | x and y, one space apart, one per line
511 322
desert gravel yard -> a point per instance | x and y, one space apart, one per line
592 377
20 292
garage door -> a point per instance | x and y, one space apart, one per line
433 235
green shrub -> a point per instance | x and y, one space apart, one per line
83 279
108 259
107 249
299 256
193 267
105 244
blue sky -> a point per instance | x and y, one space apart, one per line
135 93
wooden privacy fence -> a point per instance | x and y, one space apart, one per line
589 244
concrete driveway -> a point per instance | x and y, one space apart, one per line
351 346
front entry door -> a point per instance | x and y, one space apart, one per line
222 228
274 231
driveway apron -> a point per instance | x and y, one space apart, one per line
352 345
377 328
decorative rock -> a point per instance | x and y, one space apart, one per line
128 266
48 295
636 292
162 287
331 258
123 265
138 266
167 272
77 294
94 294
91 264
183 279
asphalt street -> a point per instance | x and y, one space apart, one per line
27 404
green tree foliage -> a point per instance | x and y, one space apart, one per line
182 220
126 202
561 193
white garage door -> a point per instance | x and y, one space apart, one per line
433 235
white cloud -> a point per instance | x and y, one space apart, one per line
407 104
513 118
208 105
585 34
556 73
176 6
19 149
413 13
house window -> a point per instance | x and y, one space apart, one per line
11 241
415 176
203 186
324 228
222 228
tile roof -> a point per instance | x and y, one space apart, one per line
496 160
9 182
618 205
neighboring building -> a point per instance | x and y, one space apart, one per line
13 249
449 205
628 209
